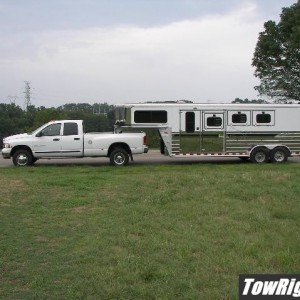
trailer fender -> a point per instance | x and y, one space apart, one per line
271 147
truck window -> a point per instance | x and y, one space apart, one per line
52 130
239 118
150 116
190 122
71 129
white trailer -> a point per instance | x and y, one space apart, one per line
260 132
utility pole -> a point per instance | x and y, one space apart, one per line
27 93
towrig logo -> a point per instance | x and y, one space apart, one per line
275 287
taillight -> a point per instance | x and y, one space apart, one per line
145 140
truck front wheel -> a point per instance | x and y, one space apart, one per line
119 157
22 158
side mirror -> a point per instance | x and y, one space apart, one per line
39 134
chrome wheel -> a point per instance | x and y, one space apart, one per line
119 157
279 155
259 155
22 158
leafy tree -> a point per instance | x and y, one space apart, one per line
245 101
76 107
12 120
277 56
97 117
44 115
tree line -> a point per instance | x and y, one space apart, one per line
96 117
14 119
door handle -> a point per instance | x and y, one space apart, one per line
55 140
76 139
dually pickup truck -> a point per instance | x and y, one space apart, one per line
66 138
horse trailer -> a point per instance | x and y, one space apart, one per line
259 132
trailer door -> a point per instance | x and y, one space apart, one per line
213 131
190 130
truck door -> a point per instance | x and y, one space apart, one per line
71 140
190 130
213 131
47 143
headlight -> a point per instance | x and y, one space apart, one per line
6 145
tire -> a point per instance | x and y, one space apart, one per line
119 157
279 155
259 155
22 158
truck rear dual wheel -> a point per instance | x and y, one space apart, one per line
119 157
22 158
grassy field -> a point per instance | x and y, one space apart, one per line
145 232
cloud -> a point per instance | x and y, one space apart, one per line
202 59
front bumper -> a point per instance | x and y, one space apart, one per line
6 153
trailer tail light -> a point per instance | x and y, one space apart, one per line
145 140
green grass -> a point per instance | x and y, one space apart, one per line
145 232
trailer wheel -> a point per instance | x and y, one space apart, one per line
279 155
259 155
22 158
119 157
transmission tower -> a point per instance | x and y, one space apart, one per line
27 93
12 99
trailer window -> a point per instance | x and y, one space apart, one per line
263 118
190 122
71 129
239 118
214 121
150 116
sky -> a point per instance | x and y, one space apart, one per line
120 51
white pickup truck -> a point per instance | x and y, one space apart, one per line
66 138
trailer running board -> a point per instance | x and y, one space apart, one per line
227 154
235 154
